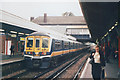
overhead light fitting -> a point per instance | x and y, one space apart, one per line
2 33
116 24
27 34
20 33
106 34
13 32
102 38
2 30
110 30
13 35
113 27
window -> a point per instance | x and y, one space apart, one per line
58 45
66 45
37 42
45 43
29 42
71 45
74 45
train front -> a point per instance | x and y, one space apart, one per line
37 51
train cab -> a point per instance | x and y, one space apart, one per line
37 46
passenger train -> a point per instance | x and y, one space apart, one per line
45 50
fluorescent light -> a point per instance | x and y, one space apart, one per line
116 24
102 38
27 34
13 35
110 30
13 32
106 34
113 27
2 33
2 30
20 33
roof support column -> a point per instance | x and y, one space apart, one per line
17 40
6 33
119 49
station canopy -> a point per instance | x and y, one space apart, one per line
100 17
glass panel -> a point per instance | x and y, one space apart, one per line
29 42
37 42
66 45
71 45
58 45
45 43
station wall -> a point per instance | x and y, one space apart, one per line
2 42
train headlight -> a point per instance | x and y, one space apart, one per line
43 53
30 52
37 53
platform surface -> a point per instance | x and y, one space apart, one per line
10 59
111 70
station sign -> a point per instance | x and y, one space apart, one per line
13 35
22 39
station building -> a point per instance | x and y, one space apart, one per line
70 25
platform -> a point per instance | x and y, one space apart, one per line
111 69
10 59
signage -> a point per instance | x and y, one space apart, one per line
22 39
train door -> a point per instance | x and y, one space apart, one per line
37 45
30 44
45 44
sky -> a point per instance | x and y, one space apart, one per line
35 8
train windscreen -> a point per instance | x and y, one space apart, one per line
37 42
45 43
29 42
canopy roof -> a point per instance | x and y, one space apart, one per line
100 17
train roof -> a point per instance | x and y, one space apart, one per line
39 34
55 36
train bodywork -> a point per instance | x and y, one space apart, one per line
45 50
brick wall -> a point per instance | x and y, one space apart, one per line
2 42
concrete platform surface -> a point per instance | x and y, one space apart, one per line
111 70
5 59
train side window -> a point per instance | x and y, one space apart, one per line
71 45
58 45
45 43
66 45
37 42
29 42
76 45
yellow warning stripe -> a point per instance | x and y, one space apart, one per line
64 51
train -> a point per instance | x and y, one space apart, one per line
44 50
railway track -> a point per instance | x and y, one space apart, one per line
51 73
55 74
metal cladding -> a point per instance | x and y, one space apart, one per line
100 17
